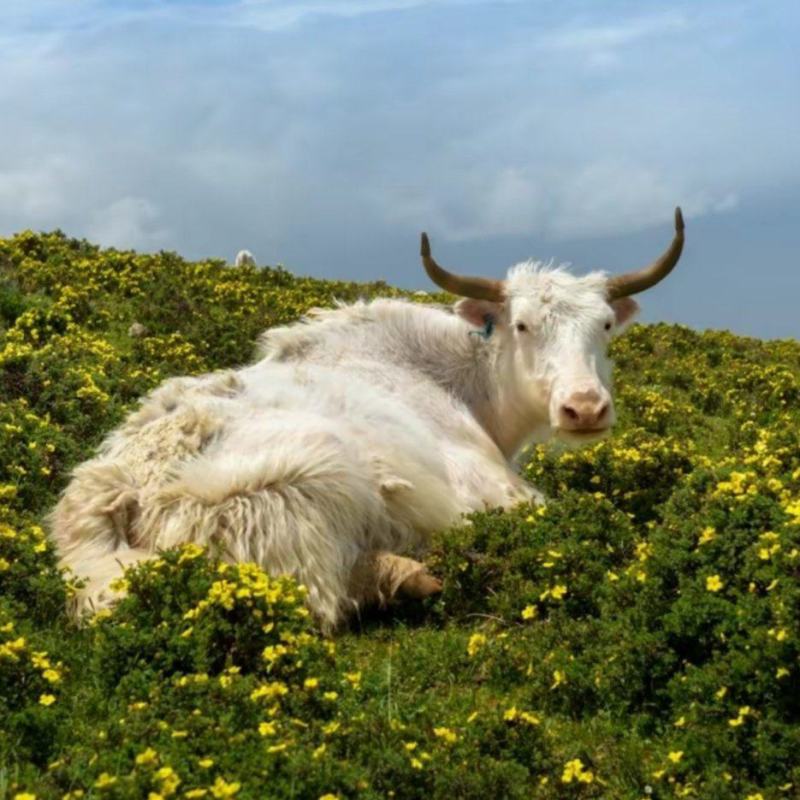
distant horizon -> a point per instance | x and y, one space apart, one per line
325 137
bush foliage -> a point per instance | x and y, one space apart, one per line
637 637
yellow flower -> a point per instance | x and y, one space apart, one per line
267 729
529 612
104 781
24 796
311 683
206 763
169 780
47 699
221 789
714 583
329 797
559 677
707 535
476 642
675 756
269 690
447 734
744 711
781 672
353 678
574 770
146 757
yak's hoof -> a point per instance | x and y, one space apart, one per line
420 585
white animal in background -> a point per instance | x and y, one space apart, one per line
358 433
244 258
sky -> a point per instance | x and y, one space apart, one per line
326 135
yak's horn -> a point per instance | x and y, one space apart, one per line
638 281
463 286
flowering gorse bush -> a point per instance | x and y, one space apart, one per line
636 637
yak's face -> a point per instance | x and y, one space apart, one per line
553 331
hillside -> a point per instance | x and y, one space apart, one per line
638 637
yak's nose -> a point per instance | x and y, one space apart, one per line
585 411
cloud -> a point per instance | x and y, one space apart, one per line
268 16
210 126
38 192
130 222
263 15
603 198
604 37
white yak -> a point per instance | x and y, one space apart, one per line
359 432
244 258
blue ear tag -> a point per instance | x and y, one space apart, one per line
488 328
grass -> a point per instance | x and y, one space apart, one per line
637 638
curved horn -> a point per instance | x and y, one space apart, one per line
639 280
463 286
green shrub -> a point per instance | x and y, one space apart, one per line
638 636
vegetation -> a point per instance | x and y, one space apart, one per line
637 637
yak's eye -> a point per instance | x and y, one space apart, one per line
608 326
522 327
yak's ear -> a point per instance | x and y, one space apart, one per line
625 310
478 312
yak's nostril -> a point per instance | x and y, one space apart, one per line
585 411
571 413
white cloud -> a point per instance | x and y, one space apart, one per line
38 192
270 15
170 136
265 15
605 197
130 222
605 37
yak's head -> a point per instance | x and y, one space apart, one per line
552 331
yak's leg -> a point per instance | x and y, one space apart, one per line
380 577
481 481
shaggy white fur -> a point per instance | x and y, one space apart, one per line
358 433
